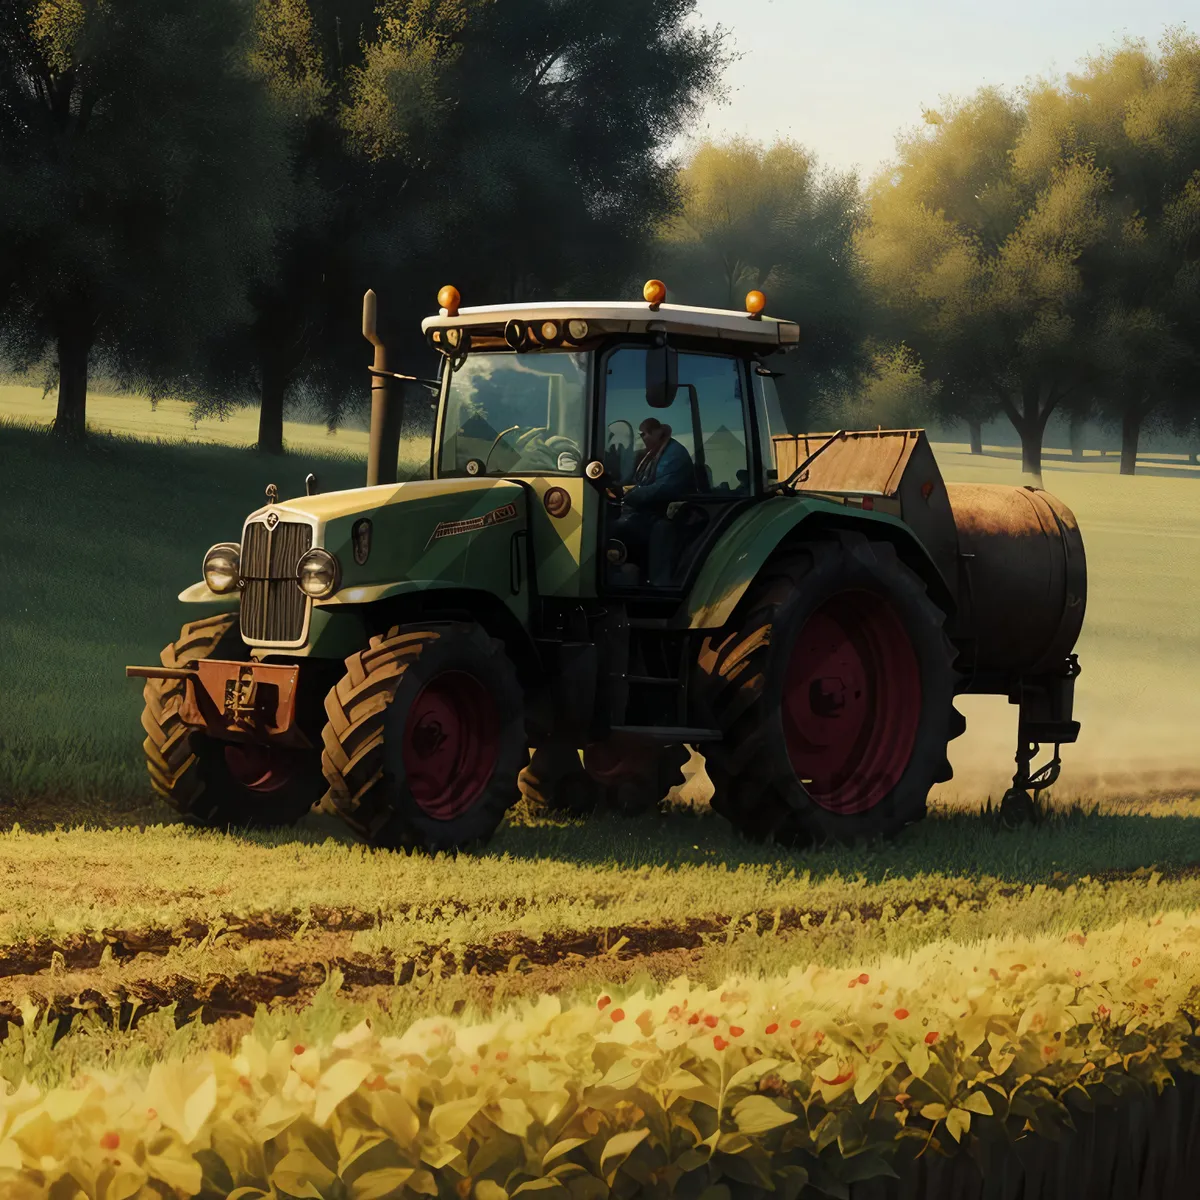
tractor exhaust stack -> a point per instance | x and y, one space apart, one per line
384 448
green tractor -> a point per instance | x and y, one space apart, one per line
617 552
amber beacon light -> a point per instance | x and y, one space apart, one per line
755 303
449 300
655 292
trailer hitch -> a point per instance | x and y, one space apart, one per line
1044 717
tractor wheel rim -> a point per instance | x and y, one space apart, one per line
851 702
259 768
451 744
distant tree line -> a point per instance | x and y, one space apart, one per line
198 195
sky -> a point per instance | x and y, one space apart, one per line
843 77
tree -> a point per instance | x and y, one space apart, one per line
140 175
891 392
552 173
976 243
1138 115
757 217
359 88
513 149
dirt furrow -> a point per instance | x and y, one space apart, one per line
295 967
86 950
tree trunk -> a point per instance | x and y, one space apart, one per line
74 346
976 428
1131 428
1078 420
1031 451
1029 417
270 411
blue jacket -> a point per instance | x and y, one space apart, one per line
672 477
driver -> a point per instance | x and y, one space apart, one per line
663 474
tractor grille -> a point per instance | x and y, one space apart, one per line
273 607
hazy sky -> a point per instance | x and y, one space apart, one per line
842 77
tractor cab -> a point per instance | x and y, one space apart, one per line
643 429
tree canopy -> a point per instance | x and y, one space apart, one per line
141 171
766 218
1039 249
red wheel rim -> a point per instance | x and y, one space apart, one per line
259 768
851 702
451 744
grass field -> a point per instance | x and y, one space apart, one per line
125 933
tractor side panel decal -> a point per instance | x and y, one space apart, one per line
498 516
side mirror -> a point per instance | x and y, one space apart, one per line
662 376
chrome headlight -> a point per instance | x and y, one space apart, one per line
318 574
222 565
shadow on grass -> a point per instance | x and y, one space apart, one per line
1065 845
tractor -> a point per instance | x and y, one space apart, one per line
615 552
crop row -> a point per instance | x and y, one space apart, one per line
655 1092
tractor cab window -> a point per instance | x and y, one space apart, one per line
678 468
515 414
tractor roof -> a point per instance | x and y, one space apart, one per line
608 316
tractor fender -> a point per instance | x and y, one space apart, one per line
199 593
740 552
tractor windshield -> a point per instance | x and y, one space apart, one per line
510 414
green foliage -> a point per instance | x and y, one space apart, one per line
1040 249
892 392
764 217
141 172
828 1076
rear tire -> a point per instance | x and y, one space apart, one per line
833 687
204 780
425 738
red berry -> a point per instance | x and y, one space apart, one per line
501 1055
110 1140
864 978
796 1023
901 1014
297 1049
930 1038
720 1042
603 1002
772 1027
736 1031
618 1014
694 1019
710 1021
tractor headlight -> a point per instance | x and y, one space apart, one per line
318 574
222 564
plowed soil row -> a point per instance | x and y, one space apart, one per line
83 951
296 968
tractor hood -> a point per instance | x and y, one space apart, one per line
404 537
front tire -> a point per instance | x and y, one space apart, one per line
210 782
833 688
425 738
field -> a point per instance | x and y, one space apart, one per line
149 943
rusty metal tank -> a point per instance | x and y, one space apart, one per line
1011 557
1022 584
